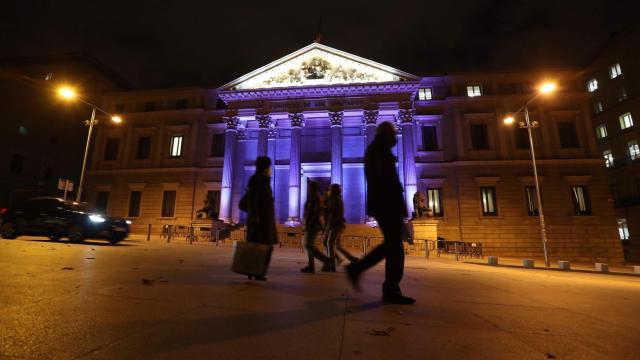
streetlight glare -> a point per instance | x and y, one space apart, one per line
116 119
67 92
547 88
508 120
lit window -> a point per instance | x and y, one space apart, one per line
608 158
434 201
615 71
598 107
532 200
424 94
601 131
474 90
48 76
622 94
634 150
175 149
592 85
626 121
580 196
488 198
623 229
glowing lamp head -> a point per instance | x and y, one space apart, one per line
116 119
547 88
66 92
508 120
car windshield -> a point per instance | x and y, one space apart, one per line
84 207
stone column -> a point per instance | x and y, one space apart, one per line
264 122
239 186
405 120
370 121
230 141
297 122
272 134
335 121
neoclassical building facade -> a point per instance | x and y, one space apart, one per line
314 111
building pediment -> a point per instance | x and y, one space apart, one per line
317 65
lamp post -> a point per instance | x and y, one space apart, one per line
528 124
69 93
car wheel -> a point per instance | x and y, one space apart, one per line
54 237
76 234
114 239
8 231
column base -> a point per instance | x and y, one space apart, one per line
292 221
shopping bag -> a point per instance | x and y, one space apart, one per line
251 258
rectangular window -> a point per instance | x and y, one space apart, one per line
515 88
615 71
474 90
598 107
217 145
119 109
488 199
434 201
592 85
429 138
608 158
111 149
626 121
182 104
102 201
522 138
17 163
623 229
149 106
168 203
425 94
175 146
601 131
479 136
531 200
567 134
622 94
135 200
144 148
213 201
633 149
581 203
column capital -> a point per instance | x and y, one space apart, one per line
297 119
233 122
336 118
242 133
273 132
370 117
405 116
264 121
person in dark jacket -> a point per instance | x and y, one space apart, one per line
261 222
335 225
385 202
312 225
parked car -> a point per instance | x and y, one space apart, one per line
57 218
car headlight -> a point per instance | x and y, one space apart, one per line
128 222
97 218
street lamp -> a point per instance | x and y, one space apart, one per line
69 93
545 88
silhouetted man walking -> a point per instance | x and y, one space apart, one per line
385 202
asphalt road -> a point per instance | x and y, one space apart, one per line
156 300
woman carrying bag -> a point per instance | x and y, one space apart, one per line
312 226
335 225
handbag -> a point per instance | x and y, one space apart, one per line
243 204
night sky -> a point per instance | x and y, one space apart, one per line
175 43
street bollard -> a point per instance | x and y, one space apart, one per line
456 249
564 265
528 263
603 268
149 233
492 260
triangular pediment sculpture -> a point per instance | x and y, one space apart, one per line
317 64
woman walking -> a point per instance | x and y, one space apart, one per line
335 225
261 223
312 225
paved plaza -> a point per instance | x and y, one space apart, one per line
156 300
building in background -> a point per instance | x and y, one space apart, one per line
315 110
43 138
613 79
